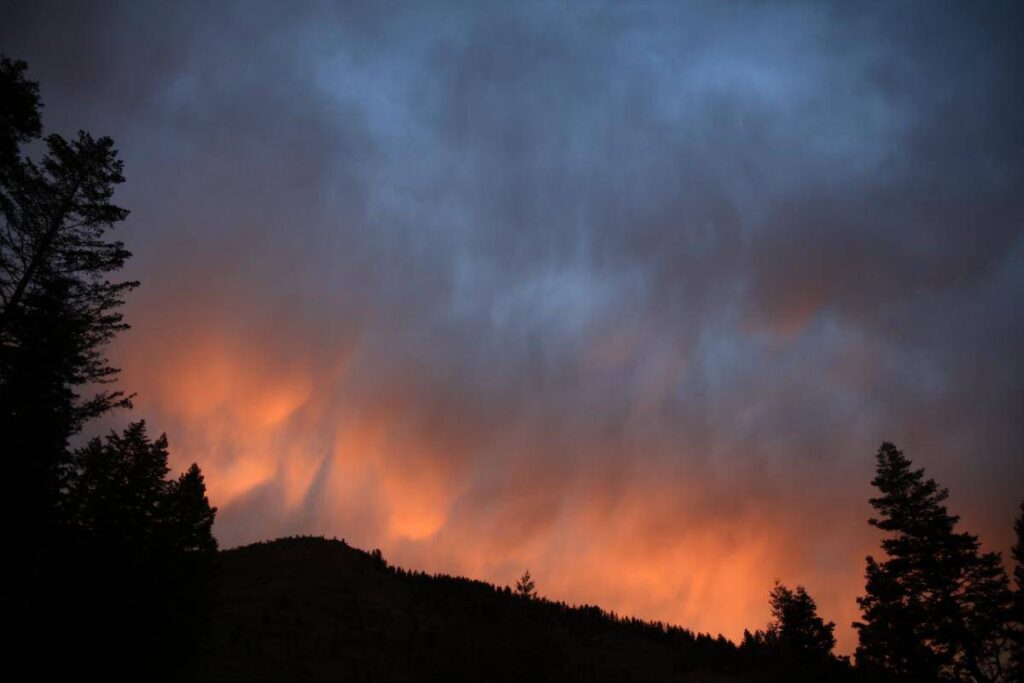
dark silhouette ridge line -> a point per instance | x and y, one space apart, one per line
308 607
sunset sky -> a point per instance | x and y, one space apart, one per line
625 294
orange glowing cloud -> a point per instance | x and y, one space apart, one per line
294 441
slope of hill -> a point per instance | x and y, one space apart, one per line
311 609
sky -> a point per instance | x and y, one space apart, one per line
627 294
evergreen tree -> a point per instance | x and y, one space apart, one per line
1016 627
114 562
796 626
146 555
190 515
525 586
19 114
57 307
191 565
797 644
57 311
935 609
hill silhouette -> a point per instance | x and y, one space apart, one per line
312 609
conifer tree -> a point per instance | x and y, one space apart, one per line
796 627
19 113
190 515
58 309
114 561
525 586
935 608
146 553
1016 626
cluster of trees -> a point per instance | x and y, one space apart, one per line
936 608
107 556
797 644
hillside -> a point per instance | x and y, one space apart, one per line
311 609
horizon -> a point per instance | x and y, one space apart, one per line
626 295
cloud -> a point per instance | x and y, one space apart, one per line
625 294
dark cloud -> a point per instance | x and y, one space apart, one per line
629 294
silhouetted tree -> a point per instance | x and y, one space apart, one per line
192 566
936 608
796 626
19 114
56 214
114 562
797 644
57 307
190 515
1016 626
378 558
525 586
57 311
148 552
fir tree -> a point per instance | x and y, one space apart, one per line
796 626
114 560
935 608
1016 626
58 309
19 114
147 554
525 586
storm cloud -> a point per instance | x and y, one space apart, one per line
625 294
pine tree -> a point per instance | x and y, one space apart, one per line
525 586
58 309
191 567
797 644
936 608
796 627
146 554
114 562
190 515
1016 626
19 114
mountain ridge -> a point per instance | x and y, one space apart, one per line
308 608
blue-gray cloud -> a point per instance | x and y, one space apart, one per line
558 247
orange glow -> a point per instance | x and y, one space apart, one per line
290 449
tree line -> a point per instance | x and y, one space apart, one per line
935 607
111 560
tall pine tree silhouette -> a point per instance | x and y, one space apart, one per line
110 562
58 307
935 609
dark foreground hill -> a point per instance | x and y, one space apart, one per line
311 609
